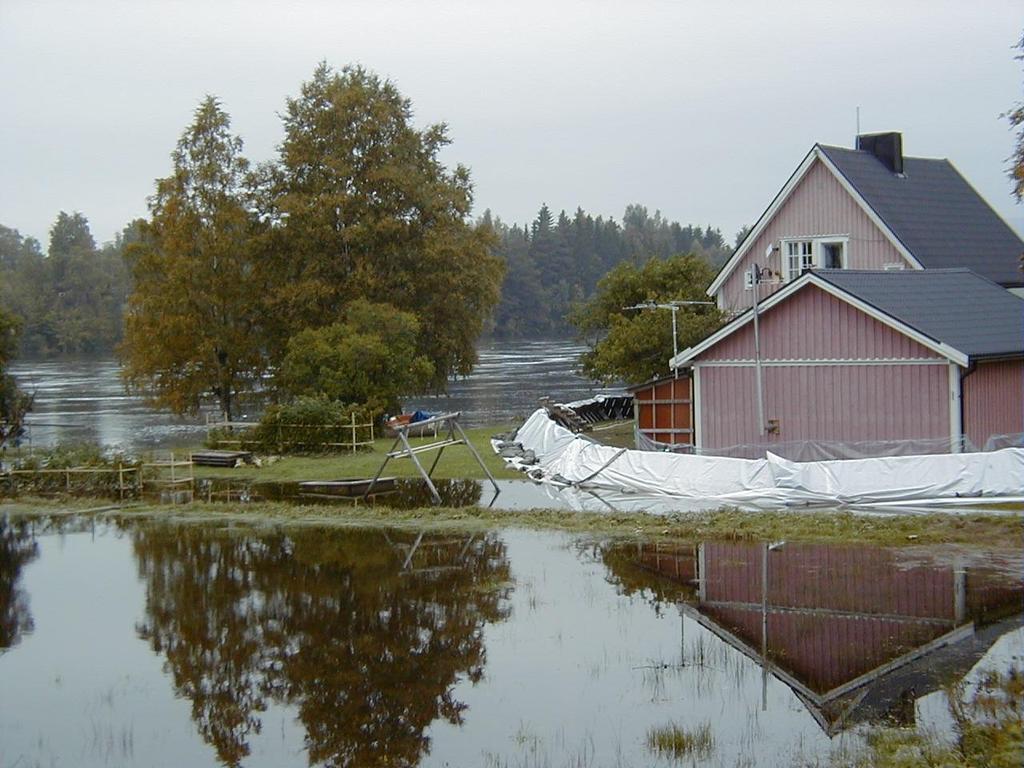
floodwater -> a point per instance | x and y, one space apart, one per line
84 400
126 641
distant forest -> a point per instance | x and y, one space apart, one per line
556 262
70 297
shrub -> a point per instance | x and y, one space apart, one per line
311 425
370 357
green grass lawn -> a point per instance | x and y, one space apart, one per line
456 462
986 531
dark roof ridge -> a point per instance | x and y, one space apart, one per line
934 213
866 152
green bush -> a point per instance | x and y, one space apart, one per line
309 425
370 357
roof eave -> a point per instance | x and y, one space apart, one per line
945 350
769 213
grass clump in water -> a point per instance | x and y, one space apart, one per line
676 742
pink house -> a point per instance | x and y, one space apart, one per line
889 309
851 356
870 208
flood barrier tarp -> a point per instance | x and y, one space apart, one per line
773 481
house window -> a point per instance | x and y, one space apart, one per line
832 255
799 257
813 253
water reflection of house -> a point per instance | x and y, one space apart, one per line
854 631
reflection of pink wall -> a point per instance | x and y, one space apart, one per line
818 206
994 400
825 652
851 578
828 400
850 609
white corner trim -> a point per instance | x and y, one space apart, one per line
956 426
762 222
945 350
869 211
695 413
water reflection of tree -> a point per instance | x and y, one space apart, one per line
18 548
333 622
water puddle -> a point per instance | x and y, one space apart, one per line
125 641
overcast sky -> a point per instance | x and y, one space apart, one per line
699 109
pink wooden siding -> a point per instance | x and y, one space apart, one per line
813 324
842 402
994 400
818 206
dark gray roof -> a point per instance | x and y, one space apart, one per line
952 306
935 213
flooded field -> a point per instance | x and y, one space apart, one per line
83 400
134 641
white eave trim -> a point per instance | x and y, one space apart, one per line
954 355
816 153
762 222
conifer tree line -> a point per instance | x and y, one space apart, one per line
555 263
70 298
347 264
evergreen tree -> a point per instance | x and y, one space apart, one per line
194 323
557 263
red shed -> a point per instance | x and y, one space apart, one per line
663 409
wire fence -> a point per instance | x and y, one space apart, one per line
244 435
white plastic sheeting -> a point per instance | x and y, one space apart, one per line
772 482
826 450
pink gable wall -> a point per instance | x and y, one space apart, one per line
813 324
994 400
818 206
881 400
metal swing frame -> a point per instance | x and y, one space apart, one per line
448 422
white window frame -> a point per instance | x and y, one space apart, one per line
811 252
